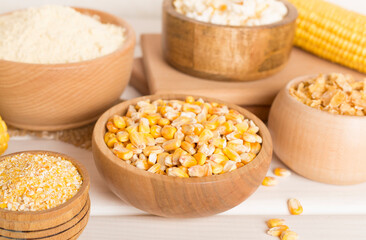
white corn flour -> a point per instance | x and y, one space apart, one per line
56 34
233 12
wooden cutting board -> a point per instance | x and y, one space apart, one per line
162 78
139 82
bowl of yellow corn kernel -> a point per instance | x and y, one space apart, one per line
318 126
181 156
43 195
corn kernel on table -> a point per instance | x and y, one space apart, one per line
330 212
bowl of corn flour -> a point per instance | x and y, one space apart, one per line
60 67
228 40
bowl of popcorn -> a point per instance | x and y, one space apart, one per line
178 156
318 126
43 195
62 67
228 40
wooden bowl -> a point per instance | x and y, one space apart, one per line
177 197
318 145
65 221
220 52
61 96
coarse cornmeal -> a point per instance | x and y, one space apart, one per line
56 35
35 182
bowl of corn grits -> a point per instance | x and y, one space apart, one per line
228 40
318 126
61 67
43 195
181 156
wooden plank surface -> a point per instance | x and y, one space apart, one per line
312 227
163 78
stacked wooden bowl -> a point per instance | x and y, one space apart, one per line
66 221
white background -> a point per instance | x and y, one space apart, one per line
135 8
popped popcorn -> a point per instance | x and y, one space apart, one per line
233 12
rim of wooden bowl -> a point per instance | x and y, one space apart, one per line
56 210
290 17
99 132
129 40
296 81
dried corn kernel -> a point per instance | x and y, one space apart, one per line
138 140
171 145
281 172
289 235
168 132
275 222
294 206
231 154
154 168
277 231
123 136
188 147
176 172
334 93
155 131
122 153
163 121
247 157
269 181
190 138
119 122
187 161
200 158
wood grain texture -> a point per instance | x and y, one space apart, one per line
71 215
162 78
60 96
139 82
138 77
318 145
230 53
67 230
237 227
176 197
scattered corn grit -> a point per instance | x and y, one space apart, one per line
190 138
35 182
4 136
294 206
331 32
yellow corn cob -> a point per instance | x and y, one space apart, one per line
331 32
4 136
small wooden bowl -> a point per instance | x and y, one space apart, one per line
176 197
220 52
61 96
66 221
318 145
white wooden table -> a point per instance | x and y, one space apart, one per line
330 212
